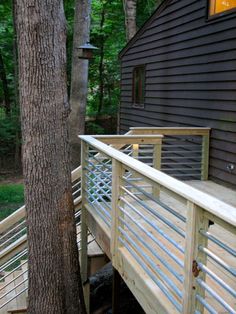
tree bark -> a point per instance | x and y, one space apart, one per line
101 62
53 255
3 78
130 7
79 78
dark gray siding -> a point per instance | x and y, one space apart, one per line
190 78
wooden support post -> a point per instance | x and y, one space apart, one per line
195 222
116 291
157 148
117 173
205 156
84 228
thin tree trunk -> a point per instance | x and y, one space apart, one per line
16 92
53 254
79 78
3 78
101 62
130 7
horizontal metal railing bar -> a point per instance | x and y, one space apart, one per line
100 188
102 179
218 260
77 191
181 151
101 164
180 145
209 308
186 163
156 228
145 145
215 296
158 201
143 157
209 272
12 271
12 237
224 246
180 169
100 157
159 257
96 196
100 204
141 186
134 179
97 168
180 158
98 212
76 184
107 186
99 177
147 270
9 249
147 151
12 289
78 214
13 229
161 274
14 279
186 175
14 297
154 212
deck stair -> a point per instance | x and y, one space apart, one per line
153 227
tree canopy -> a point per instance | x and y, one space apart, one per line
107 33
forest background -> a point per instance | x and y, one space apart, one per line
107 33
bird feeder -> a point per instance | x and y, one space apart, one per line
86 51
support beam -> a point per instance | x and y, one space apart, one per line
115 291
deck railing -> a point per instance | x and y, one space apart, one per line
185 151
156 230
13 248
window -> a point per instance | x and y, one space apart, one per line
219 6
139 86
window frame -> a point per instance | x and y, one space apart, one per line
217 15
134 102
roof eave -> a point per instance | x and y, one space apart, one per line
159 9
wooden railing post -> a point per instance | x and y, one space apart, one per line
157 165
117 173
84 228
205 156
195 222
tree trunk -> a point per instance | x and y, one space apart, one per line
130 7
53 255
17 158
79 78
101 62
3 78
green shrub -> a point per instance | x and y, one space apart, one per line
11 198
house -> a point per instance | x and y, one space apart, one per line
172 243
180 70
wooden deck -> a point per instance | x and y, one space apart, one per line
153 227
103 237
155 230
